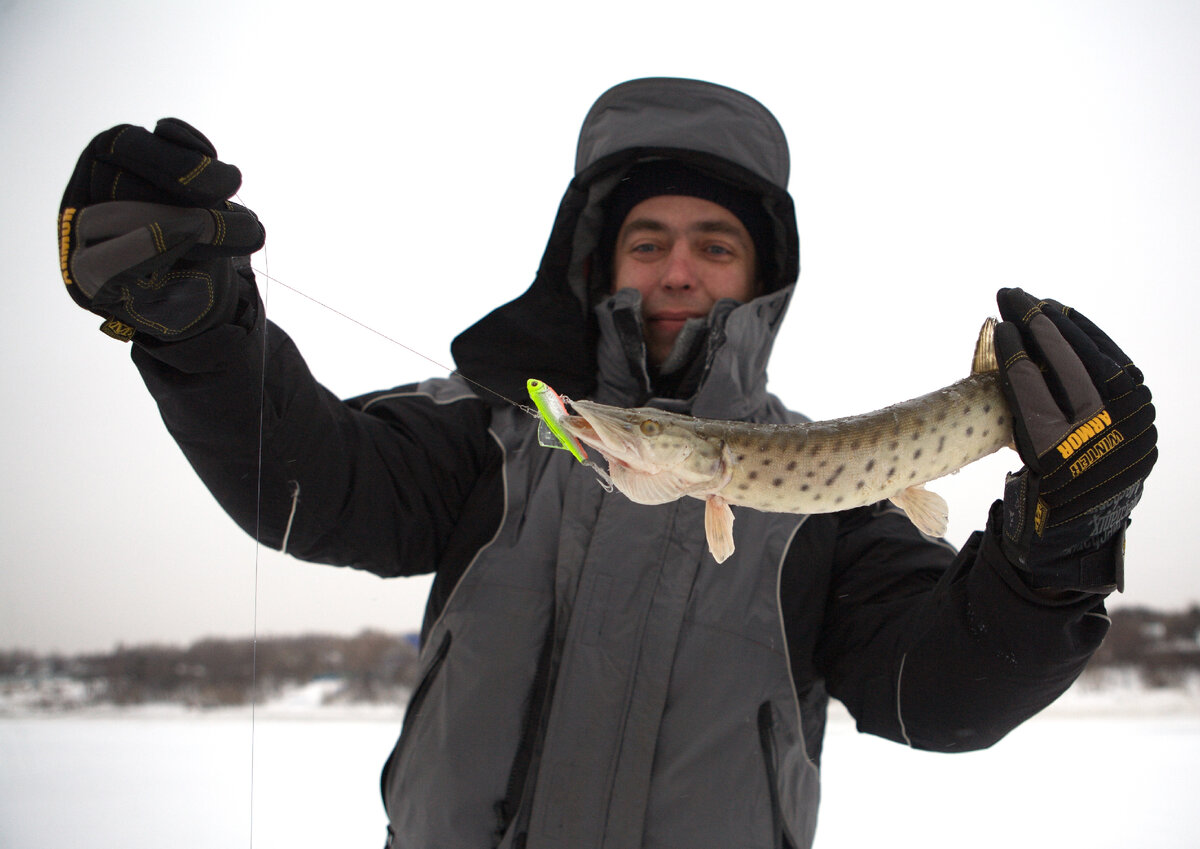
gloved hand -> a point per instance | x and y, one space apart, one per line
1084 427
147 236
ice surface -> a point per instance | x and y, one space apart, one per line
1085 773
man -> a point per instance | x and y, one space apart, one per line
590 676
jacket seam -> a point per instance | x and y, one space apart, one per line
899 712
416 393
787 649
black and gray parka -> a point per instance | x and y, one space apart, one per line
591 677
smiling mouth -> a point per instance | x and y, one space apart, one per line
671 318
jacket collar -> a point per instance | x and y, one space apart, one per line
732 382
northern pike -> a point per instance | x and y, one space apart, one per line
656 456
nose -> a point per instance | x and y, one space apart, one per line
679 273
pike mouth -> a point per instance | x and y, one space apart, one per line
605 438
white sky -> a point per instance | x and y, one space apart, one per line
408 165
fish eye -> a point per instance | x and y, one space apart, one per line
651 428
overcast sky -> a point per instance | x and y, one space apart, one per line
408 165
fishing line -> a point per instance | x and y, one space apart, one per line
268 279
453 371
262 406
545 436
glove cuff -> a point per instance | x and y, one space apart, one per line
1098 570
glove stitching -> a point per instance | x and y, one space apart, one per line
1116 423
1122 373
219 238
195 172
127 299
1034 310
1116 474
112 148
1102 483
152 283
1019 355
160 243
1063 462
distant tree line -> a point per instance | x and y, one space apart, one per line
377 667
371 666
1164 647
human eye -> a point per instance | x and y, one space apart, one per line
719 251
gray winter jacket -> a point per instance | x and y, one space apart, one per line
590 676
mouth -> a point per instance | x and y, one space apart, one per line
597 432
671 318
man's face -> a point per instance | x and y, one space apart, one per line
683 254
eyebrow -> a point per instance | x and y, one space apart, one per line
711 226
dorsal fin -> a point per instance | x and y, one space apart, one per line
985 349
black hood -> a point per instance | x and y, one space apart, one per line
550 331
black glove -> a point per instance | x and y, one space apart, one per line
147 236
1084 426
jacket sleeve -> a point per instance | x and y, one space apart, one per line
377 486
944 652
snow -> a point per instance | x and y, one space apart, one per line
1107 766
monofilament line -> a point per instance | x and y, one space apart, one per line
394 341
262 407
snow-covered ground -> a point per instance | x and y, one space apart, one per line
1104 767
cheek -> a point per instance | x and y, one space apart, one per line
738 284
625 275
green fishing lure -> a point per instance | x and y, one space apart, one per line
552 411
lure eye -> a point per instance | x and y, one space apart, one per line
651 428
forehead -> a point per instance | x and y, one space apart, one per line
683 213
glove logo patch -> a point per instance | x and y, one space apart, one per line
118 330
1083 433
1093 454
64 243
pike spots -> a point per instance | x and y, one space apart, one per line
835 475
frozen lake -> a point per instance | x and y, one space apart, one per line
165 778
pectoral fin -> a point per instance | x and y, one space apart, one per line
718 527
927 510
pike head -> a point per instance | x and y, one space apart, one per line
653 456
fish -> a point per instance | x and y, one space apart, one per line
655 456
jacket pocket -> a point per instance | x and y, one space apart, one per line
766 738
413 713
